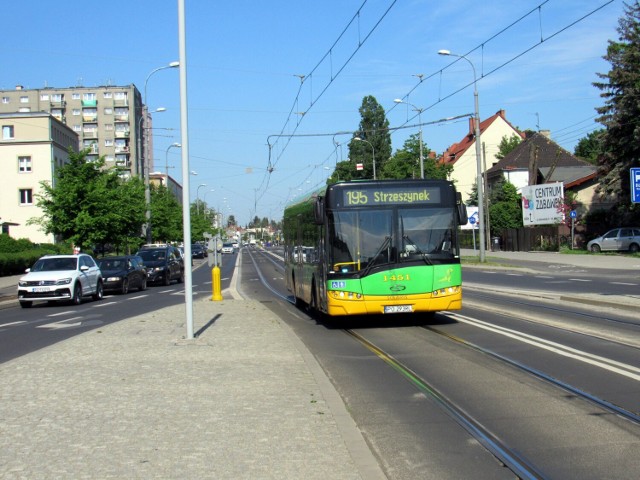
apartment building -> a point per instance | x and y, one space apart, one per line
32 146
107 119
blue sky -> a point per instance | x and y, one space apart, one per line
245 58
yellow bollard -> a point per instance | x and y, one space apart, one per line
216 284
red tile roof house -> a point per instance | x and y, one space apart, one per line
462 155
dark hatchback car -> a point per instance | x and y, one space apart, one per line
198 251
123 273
163 264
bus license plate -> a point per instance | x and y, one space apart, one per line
398 308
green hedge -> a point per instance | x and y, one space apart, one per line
16 255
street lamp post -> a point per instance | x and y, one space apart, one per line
479 182
147 189
198 197
419 110
373 153
166 158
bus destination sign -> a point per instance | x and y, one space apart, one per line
376 196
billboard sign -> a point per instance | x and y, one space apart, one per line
542 204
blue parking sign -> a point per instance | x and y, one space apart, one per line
635 185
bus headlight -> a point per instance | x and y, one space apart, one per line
342 295
446 291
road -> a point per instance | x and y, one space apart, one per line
547 388
26 330
517 383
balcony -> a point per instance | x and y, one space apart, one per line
122 149
121 117
90 103
122 133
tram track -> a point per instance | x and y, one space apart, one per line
507 456
619 368
506 449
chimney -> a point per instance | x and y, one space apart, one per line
19 87
545 133
472 126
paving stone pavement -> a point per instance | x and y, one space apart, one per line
134 399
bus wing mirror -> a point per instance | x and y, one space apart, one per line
318 211
462 210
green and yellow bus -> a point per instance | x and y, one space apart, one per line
375 247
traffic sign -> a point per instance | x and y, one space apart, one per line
635 185
573 214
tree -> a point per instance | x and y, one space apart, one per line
166 215
374 130
589 148
405 163
620 89
88 205
507 144
505 210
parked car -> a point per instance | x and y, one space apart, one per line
123 273
618 239
198 251
227 248
163 264
61 278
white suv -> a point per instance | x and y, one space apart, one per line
61 278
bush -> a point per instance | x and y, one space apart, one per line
18 255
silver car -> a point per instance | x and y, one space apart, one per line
618 239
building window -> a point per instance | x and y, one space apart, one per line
120 95
108 111
24 99
108 142
44 97
76 111
56 97
6 99
26 196
77 128
24 109
108 127
108 95
88 97
24 164
7 132
75 96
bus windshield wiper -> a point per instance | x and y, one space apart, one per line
416 250
385 244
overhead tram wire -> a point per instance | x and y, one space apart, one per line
304 78
481 46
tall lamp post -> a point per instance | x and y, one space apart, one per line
373 152
166 158
147 166
479 182
198 197
419 110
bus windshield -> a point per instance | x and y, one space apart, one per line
362 239
426 233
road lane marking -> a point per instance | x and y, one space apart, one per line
12 323
608 364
